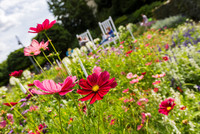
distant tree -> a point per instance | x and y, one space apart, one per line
75 15
4 75
17 61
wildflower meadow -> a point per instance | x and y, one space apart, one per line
146 85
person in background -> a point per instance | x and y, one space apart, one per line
82 42
145 20
108 35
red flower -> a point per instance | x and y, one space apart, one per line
122 42
143 73
166 106
165 58
183 108
41 27
167 46
10 104
179 89
16 73
129 52
31 84
96 86
112 122
155 89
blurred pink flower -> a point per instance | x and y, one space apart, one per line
3 124
50 87
142 101
135 41
134 81
129 76
121 46
149 36
112 122
125 90
140 77
33 108
97 70
149 63
158 75
42 27
156 82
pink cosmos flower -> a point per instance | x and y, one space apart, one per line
142 101
112 122
129 76
39 46
10 118
126 90
121 46
135 41
140 77
42 27
167 46
33 108
149 63
166 106
156 82
158 75
30 51
149 36
50 87
3 124
122 42
134 81
155 89
147 45
144 115
97 70
96 86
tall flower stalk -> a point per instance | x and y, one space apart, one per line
60 115
47 58
39 65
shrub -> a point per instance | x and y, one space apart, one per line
170 22
146 9
121 20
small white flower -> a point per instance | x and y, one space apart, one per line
13 81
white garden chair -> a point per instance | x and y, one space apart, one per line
104 25
86 35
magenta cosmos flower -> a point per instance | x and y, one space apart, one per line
16 73
166 106
50 87
39 46
42 27
96 86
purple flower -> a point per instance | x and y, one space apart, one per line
26 111
22 100
24 104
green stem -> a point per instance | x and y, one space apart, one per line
60 116
38 64
47 58
55 51
52 46
72 97
99 116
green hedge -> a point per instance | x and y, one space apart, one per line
146 9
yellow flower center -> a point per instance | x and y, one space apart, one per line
169 108
95 88
141 124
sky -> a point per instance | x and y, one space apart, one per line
16 17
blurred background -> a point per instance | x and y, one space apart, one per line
74 17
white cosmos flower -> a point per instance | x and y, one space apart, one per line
13 81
